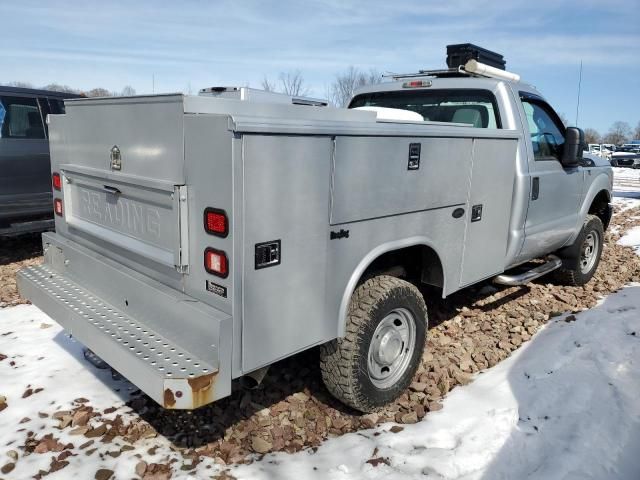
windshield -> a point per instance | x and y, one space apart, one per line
475 107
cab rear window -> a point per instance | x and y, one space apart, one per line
475 107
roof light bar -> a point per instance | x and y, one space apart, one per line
477 68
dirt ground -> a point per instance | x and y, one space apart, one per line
16 253
469 331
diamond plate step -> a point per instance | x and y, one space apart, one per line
169 374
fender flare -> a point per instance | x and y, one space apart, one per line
600 183
368 259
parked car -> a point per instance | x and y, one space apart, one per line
627 155
200 239
25 173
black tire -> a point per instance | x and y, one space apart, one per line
573 271
344 361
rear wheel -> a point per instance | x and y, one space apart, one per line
385 334
580 260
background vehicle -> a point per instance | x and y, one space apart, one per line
200 239
627 155
25 182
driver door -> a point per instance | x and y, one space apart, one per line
556 191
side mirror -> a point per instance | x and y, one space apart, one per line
573 145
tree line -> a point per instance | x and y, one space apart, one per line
127 91
619 133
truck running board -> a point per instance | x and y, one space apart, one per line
170 375
553 263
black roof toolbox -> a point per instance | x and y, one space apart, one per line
460 54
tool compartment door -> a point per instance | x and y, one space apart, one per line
487 232
285 217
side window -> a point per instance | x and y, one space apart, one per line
20 118
547 134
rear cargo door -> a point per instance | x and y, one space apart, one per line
122 161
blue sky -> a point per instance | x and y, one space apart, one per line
192 44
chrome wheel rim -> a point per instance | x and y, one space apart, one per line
589 252
391 348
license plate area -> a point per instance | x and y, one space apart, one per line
143 219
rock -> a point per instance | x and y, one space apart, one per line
411 417
103 474
13 455
300 396
80 418
418 386
65 421
396 429
260 445
97 432
141 467
58 415
48 444
369 420
79 430
7 468
86 444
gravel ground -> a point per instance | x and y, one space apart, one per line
472 330
16 253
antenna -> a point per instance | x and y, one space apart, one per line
579 85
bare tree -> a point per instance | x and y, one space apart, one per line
56 87
619 133
636 132
20 84
345 84
293 83
128 91
268 85
591 135
99 92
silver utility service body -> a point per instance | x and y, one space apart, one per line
308 201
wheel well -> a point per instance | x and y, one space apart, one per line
600 207
415 263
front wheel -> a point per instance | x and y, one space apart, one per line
581 260
385 335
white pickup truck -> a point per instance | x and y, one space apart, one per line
199 239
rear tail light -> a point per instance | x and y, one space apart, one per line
56 181
57 207
216 222
215 262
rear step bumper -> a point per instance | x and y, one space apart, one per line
174 375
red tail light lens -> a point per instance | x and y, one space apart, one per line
215 222
56 181
215 262
57 207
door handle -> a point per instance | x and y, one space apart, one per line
535 188
110 189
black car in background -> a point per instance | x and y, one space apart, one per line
25 173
